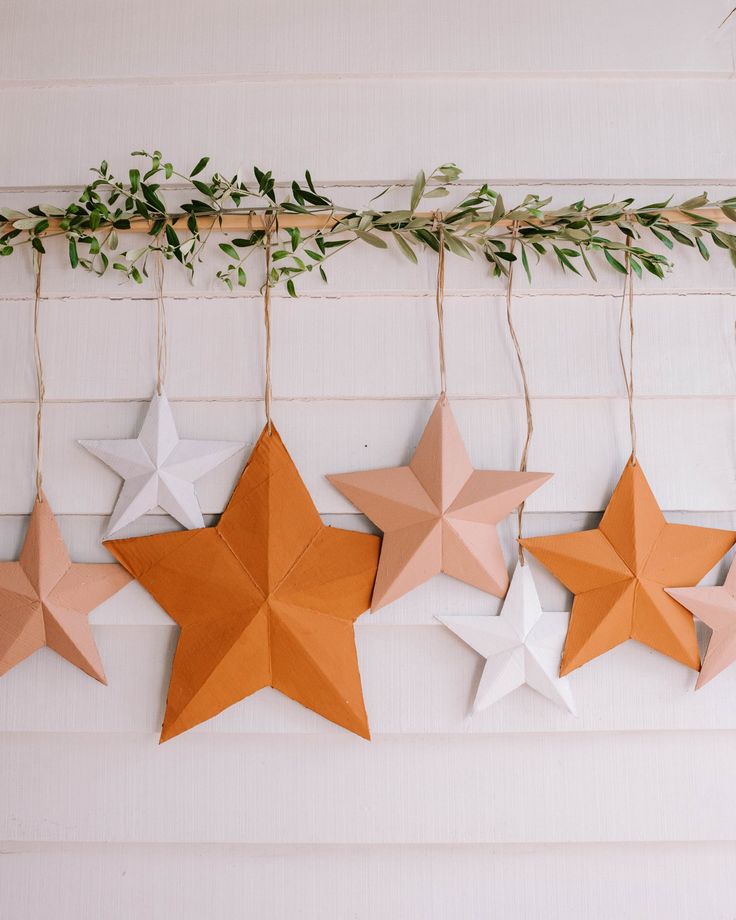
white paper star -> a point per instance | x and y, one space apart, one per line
522 645
158 469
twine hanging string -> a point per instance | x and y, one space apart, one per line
162 348
40 385
525 382
271 227
438 227
627 298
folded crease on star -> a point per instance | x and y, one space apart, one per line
266 598
438 514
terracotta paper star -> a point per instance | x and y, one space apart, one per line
438 514
268 597
716 607
618 573
159 469
45 598
522 645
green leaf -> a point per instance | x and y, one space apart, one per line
242 280
418 189
199 167
697 202
229 250
135 180
405 247
614 262
702 249
372 239
525 263
290 288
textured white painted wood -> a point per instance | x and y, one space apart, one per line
686 445
546 882
329 347
520 788
277 120
687 40
416 679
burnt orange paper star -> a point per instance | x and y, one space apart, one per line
267 598
45 598
619 571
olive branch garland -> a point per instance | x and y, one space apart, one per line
480 224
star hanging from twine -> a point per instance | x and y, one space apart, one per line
619 571
522 646
45 598
267 598
438 514
716 607
159 469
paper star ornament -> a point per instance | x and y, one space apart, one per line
522 645
618 573
159 469
45 598
438 514
267 598
716 607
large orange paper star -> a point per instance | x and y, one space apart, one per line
438 514
619 571
268 597
45 598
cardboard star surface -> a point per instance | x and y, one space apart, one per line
45 598
716 607
159 469
267 598
618 573
438 514
522 645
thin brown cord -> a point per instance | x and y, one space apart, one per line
40 386
627 296
268 390
525 383
162 349
440 300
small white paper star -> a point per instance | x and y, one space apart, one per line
159 469
522 645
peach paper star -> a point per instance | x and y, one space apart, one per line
45 598
618 574
716 607
438 514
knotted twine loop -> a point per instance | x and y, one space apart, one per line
162 348
525 383
272 225
40 386
627 297
438 227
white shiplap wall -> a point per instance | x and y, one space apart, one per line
268 811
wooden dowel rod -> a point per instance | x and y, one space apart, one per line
256 221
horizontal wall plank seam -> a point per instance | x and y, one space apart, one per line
422 397
131 294
327 77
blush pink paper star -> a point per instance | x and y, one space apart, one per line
45 598
716 607
438 514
